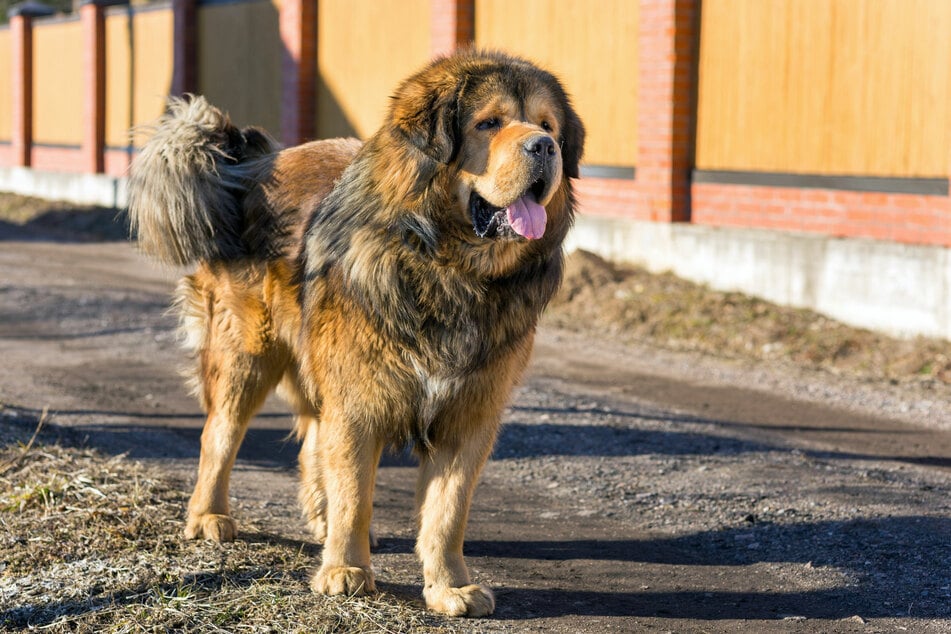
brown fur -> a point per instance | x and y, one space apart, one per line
376 290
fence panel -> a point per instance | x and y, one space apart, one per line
848 87
58 91
592 47
138 70
364 49
239 61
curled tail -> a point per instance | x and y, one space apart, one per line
188 183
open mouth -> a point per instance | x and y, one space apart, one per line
525 217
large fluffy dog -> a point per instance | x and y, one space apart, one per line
389 291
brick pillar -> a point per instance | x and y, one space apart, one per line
298 24
21 37
451 25
669 36
92 16
184 47
21 61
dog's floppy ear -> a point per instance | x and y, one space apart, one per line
572 143
424 111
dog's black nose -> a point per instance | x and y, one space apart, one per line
540 145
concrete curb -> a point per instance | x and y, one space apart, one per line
902 290
82 189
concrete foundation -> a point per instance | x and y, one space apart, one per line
898 289
82 189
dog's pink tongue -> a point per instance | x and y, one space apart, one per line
527 218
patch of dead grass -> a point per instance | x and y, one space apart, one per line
632 304
92 543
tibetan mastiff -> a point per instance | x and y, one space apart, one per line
388 290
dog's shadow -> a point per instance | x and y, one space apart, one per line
900 582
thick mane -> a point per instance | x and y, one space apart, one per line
414 273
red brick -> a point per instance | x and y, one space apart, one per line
94 71
298 27
21 39
184 47
452 24
57 159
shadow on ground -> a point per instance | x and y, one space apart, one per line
276 448
98 224
898 586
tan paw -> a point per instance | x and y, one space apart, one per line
219 528
471 600
347 580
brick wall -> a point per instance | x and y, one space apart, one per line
665 108
57 159
609 197
116 162
660 190
452 24
298 23
908 218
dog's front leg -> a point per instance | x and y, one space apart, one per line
447 479
349 455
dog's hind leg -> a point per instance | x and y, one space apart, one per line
238 388
239 364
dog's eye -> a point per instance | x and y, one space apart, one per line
546 126
489 124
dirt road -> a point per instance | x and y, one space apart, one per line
632 489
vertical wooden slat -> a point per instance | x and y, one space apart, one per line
826 86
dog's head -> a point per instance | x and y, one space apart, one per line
506 131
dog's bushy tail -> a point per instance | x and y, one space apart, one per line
187 184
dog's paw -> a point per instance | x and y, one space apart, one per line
471 600
347 580
219 528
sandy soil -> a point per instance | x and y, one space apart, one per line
634 487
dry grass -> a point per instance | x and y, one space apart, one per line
92 543
631 304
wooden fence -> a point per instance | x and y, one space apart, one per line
683 101
826 86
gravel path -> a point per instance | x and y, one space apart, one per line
632 488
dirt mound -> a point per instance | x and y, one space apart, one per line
634 305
